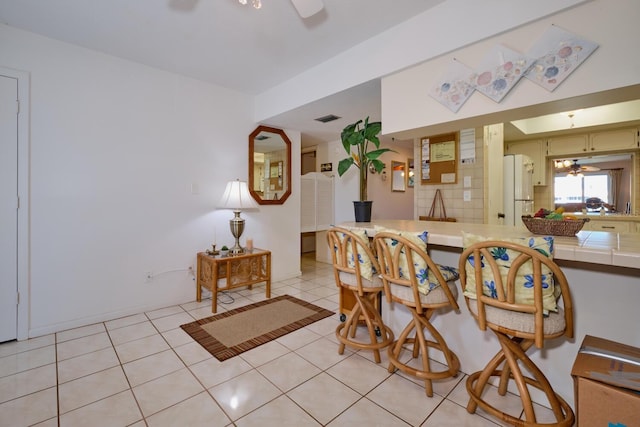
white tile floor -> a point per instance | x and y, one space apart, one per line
143 370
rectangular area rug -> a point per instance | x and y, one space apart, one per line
228 334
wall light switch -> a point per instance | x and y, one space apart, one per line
466 195
467 181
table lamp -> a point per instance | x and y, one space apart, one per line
237 198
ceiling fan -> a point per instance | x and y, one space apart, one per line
574 168
305 8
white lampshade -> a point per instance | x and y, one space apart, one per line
236 197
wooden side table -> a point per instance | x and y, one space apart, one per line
221 273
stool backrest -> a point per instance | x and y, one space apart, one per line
351 254
397 256
483 258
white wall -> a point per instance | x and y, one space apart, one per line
115 150
408 110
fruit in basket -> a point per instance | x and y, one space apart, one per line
554 215
542 212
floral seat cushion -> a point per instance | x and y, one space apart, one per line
524 278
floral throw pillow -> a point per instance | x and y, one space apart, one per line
366 266
524 278
426 279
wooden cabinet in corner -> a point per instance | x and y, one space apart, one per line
567 145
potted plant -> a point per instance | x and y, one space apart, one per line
224 251
356 138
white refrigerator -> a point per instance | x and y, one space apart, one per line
518 188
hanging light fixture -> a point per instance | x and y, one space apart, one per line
257 4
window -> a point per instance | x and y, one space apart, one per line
576 189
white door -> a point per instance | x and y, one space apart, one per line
8 208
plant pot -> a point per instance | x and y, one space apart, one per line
362 210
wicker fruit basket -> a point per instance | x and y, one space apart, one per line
554 227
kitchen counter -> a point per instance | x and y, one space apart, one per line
596 247
606 217
603 270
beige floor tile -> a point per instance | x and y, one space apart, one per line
288 371
90 363
30 409
125 321
89 389
323 397
192 353
281 412
244 393
404 398
450 414
323 353
266 352
212 372
299 338
117 410
326 326
27 382
132 332
151 367
173 321
163 312
83 345
141 348
366 413
14 347
84 331
360 376
53 422
27 360
177 337
163 392
198 411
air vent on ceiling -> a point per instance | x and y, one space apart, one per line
262 137
327 119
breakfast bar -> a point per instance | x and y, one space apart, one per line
603 270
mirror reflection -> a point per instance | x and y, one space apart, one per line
398 176
269 165
411 173
589 184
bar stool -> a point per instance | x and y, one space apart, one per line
512 289
355 268
411 278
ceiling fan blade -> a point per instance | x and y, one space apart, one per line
590 168
307 8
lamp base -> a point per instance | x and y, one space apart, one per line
237 227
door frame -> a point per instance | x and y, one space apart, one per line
23 78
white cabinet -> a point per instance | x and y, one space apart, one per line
621 139
611 226
536 149
566 145
316 202
614 140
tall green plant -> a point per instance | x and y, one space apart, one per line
356 138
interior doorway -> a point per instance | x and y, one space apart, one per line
308 164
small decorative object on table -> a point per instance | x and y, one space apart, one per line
554 227
212 251
224 251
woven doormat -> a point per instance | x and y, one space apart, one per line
233 332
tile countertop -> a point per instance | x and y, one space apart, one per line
594 247
607 217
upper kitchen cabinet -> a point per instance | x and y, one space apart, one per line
564 145
613 140
620 139
536 149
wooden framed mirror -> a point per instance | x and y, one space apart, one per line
269 165
398 176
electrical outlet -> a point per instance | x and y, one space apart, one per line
148 276
191 271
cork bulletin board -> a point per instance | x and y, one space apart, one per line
439 159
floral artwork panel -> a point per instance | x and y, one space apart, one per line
454 88
558 53
499 71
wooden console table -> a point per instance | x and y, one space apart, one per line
221 273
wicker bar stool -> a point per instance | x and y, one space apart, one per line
355 268
411 278
512 290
